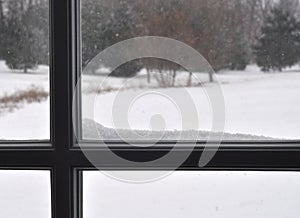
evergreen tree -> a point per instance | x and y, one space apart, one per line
105 23
26 34
279 45
14 35
2 28
37 18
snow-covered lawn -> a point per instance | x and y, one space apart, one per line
24 120
12 81
263 104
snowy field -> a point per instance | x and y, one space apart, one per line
24 120
261 104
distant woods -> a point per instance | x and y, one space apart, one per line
230 34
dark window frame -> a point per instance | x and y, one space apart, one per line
66 162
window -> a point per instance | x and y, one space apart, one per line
24 70
70 166
25 194
193 194
139 99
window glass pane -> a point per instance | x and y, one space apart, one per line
24 70
252 46
25 194
194 194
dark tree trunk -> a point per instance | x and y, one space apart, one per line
190 79
174 77
211 79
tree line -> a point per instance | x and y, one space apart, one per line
230 34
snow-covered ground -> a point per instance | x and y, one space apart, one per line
24 120
262 104
12 81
